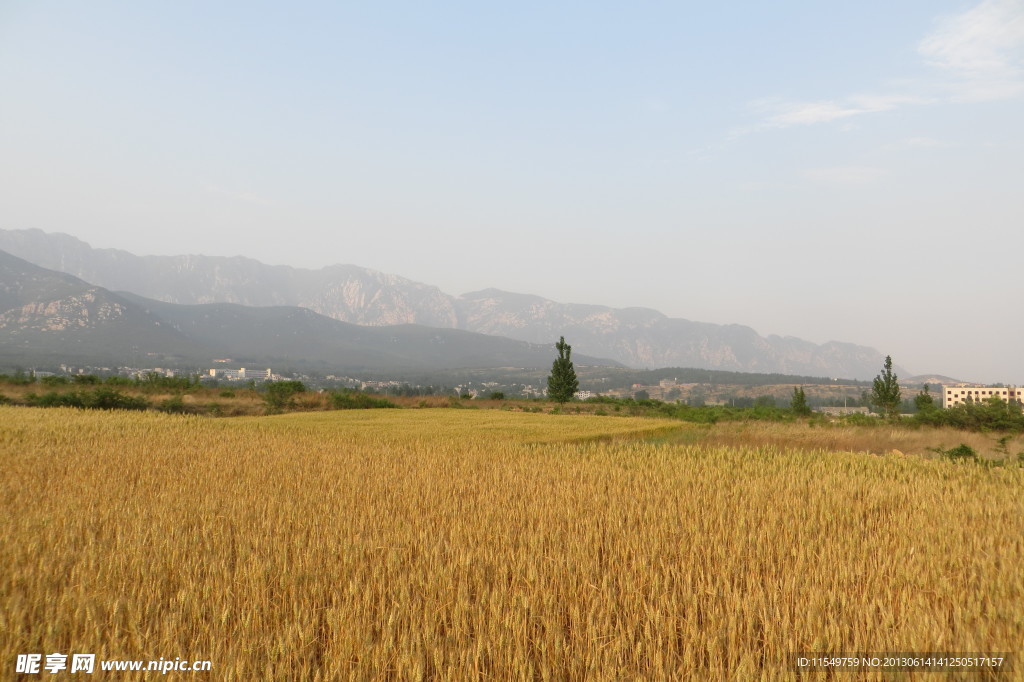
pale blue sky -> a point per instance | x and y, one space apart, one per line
833 171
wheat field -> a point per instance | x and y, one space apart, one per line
484 545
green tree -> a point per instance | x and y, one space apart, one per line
885 391
799 404
924 402
562 382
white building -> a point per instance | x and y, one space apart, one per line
962 393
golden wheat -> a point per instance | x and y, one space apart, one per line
458 544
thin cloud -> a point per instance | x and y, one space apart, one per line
982 49
783 114
807 113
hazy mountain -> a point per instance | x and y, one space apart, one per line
344 292
49 317
638 337
932 380
641 337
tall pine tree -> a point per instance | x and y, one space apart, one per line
885 392
562 382
799 404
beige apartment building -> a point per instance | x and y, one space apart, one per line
960 393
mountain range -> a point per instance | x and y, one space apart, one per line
47 317
636 337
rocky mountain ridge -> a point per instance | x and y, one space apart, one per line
50 318
638 337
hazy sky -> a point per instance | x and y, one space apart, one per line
835 171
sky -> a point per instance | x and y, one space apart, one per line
830 171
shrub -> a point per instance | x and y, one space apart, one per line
359 401
19 378
109 399
281 394
53 381
54 399
959 453
100 399
992 414
174 405
857 419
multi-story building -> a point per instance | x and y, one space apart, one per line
962 393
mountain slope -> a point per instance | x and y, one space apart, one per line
638 337
50 317
642 337
344 292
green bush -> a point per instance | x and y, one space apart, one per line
280 395
19 378
993 414
152 382
109 399
53 381
359 401
961 452
54 399
174 405
857 419
100 399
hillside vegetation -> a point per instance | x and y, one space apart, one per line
464 544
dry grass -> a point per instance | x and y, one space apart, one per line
463 544
880 439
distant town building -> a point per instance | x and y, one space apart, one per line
583 395
962 393
242 374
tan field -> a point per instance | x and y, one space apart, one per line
482 544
